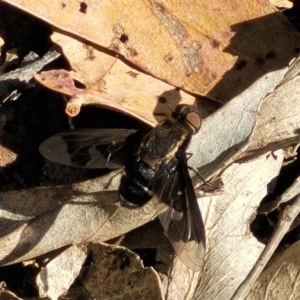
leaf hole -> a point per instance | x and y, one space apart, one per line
79 84
83 7
123 38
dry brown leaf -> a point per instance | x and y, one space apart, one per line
78 292
114 84
55 279
201 47
6 156
117 273
118 86
11 58
123 90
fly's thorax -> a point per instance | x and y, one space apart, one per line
180 142
159 145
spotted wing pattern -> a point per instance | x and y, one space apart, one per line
88 148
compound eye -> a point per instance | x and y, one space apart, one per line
194 121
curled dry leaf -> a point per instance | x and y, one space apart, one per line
117 273
195 46
56 278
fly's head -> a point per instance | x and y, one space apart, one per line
187 118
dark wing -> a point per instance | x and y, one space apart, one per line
87 148
182 221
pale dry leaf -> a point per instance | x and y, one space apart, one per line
40 200
280 279
55 279
231 249
289 215
182 282
198 47
227 131
87 217
117 273
88 64
278 120
293 70
7 156
282 3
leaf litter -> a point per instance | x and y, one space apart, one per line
257 120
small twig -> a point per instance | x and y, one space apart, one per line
19 78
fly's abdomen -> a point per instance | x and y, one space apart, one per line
136 185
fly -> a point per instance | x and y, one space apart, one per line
155 165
